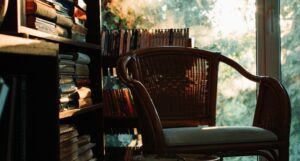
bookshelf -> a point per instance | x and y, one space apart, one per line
38 54
25 129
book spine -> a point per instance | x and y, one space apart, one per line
62 31
66 68
82 58
68 87
64 21
85 148
41 25
82 70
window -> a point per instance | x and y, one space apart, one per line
247 31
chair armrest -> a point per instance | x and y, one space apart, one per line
273 108
147 114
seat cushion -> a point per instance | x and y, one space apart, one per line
216 135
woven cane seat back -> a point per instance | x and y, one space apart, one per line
180 85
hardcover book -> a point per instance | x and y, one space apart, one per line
81 58
65 21
68 135
68 87
65 79
41 9
41 24
66 56
65 128
62 31
77 36
82 69
85 147
66 66
79 29
84 139
68 147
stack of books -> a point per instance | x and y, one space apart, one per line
79 30
41 15
75 147
65 18
85 146
68 146
74 81
82 79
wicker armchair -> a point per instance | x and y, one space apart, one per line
176 87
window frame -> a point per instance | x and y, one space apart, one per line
268 38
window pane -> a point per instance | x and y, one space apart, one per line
290 61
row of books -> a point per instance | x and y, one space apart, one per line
64 18
122 146
74 81
118 102
75 147
118 42
130 139
117 98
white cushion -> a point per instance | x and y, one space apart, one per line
216 135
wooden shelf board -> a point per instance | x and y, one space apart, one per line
18 45
55 38
78 111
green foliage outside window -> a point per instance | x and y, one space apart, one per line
290 59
